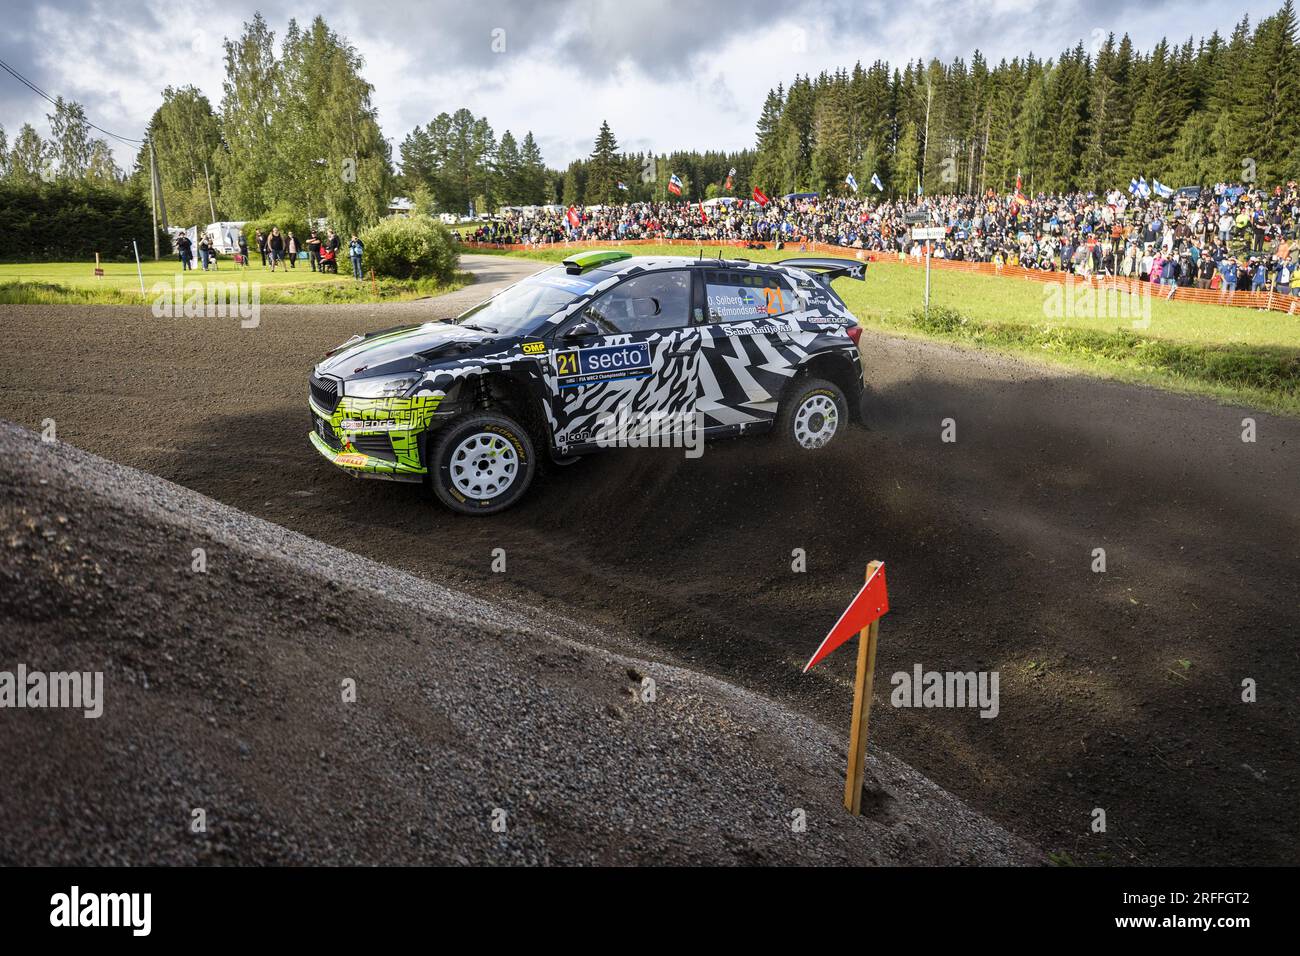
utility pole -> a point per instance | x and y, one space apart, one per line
211 208
159 205
156 176
153 203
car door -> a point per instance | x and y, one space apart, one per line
637 370
748 346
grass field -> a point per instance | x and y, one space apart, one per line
56 283
1235 355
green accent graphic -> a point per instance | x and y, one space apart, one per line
400 420
583 261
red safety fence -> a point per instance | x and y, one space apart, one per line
1268 300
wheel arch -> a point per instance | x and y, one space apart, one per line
833 366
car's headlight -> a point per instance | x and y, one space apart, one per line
389 386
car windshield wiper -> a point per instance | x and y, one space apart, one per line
480 328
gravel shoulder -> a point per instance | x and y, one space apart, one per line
224 692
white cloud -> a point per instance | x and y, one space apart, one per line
669 75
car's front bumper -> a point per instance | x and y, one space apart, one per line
374 437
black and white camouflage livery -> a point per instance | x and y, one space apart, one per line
722 342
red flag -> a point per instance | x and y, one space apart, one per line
574 221
704 216
759 198
872 601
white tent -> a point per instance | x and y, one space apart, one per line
224 236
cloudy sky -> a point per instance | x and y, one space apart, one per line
670 74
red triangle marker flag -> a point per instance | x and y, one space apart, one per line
872 601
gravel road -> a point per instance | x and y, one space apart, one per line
479 733
1120 689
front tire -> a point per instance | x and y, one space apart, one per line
813 414
481 463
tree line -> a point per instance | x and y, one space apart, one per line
72 153
295 133
1202 111
455 162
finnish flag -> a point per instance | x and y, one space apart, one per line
1132 187
1163 191
853 183
875 181
1143 189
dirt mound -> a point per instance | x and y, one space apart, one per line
224 692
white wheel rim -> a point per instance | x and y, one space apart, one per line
484 465
815 421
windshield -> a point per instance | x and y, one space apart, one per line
520 308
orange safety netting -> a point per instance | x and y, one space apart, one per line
1268 300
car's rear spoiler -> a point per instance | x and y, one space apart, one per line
830 268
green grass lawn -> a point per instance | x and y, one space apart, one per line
893 290
122 275
75 282
1235 355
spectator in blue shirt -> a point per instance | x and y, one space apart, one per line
355 251
1229 271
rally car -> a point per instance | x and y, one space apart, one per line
599 346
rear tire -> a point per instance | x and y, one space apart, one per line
813 414
481 463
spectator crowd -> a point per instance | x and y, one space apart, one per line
1228 236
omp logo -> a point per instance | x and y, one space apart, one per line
75 908
534 348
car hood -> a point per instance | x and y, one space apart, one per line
376 351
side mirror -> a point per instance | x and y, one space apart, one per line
583 330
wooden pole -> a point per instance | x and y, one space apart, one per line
153 201
862 688
212 208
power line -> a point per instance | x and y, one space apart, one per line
40 92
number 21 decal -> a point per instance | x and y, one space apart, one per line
775 301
